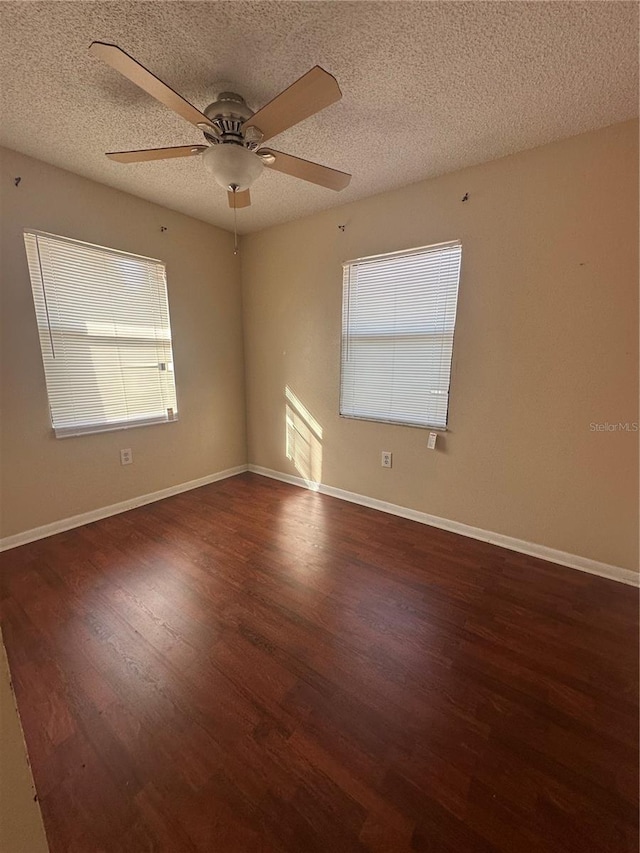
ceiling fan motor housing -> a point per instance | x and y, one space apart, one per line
228 113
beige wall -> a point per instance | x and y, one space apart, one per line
45 479
546 344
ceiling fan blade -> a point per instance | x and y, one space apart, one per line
238 200
155 153
332 179
314 91
142 77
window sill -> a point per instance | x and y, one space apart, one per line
394 423
91 429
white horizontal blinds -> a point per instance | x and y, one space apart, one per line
103 319
398 320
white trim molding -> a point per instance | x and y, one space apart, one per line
562 558
552 555
114 509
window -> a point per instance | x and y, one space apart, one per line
103 319
398 318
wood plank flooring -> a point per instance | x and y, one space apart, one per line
252 667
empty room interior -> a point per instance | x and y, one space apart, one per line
319 439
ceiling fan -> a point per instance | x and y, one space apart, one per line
233 133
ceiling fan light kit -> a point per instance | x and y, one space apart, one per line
232 166
232 132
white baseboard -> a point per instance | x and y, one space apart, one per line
96 514
562 558
552 555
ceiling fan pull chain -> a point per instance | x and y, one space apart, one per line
235 221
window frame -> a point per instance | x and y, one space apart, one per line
47 329
344 338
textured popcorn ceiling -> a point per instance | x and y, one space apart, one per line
428 87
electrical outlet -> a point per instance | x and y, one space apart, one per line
126 456
386 459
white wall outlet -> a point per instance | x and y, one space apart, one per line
386 459
126 456
431 441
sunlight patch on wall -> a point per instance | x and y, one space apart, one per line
303 440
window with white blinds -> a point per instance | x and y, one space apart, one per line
103 319
398 319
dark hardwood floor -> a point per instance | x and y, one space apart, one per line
253 667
